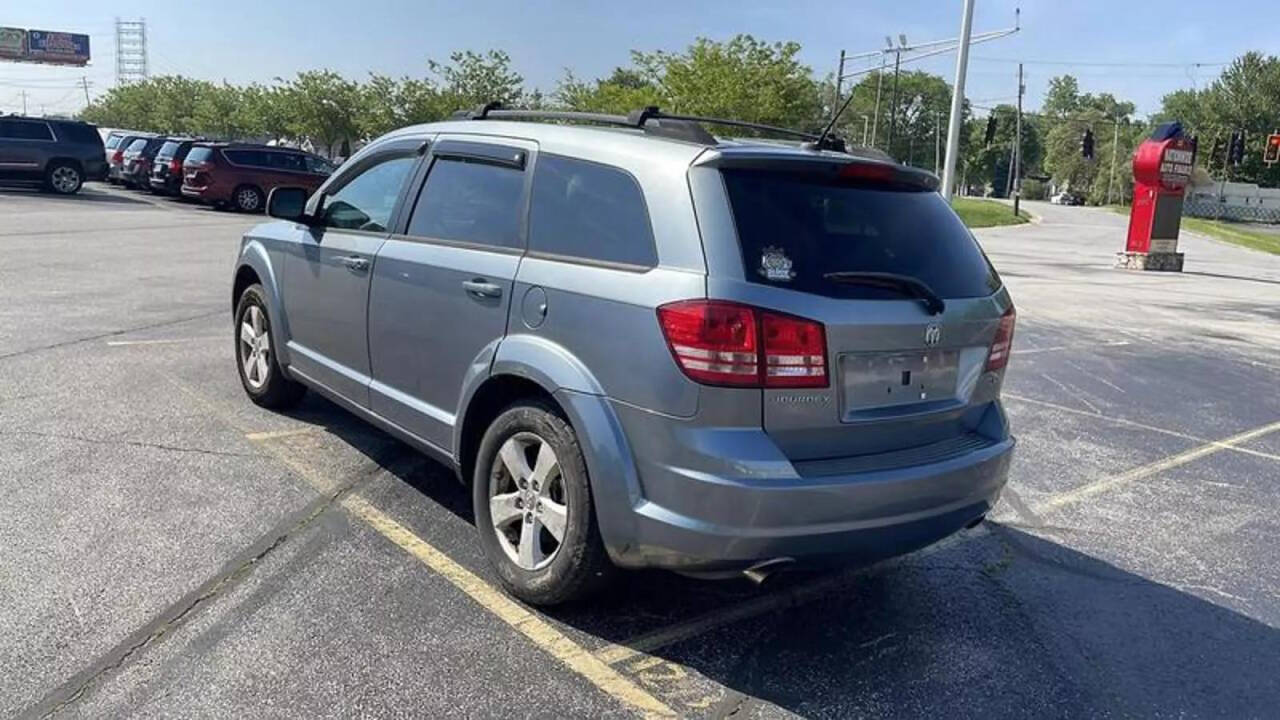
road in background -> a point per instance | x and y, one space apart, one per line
167 548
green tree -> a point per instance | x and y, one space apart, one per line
325 108
471 79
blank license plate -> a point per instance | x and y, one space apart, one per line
879 380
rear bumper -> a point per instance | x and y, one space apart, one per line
716 499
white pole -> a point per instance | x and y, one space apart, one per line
957 103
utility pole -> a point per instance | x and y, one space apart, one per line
24 102
893 104
865 119
957 103
937 141
875 121
1115 145
835 103
84 82
1017 144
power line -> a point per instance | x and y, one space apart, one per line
1094 63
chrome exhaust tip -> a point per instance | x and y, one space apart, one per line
762 571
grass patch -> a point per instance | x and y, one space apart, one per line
985 213
1233 232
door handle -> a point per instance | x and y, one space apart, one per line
482 288
355 263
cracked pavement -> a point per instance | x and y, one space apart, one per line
156 560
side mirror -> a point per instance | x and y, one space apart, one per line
288 203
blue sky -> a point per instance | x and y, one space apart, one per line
1139 50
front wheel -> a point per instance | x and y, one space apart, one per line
533 507
260 374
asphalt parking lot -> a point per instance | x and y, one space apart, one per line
167 549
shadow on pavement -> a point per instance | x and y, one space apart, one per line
1000 623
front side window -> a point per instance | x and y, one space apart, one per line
472 201
368 199
287 161
590 211
319 166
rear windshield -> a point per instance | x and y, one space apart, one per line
199 154
137 145
78 133
113 141
168 149
794 229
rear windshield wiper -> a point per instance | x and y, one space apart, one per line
904 284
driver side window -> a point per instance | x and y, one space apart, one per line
368 199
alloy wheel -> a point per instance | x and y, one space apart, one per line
255 347
527 501
247 199
65 179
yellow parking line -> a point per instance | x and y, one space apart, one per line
537 630
276 434
1074 496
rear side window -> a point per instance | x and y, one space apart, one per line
78 133
589 211
253 158
25 130
113 141
168 149
470 201
794 228
199 155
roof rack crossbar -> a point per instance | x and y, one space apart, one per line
650 119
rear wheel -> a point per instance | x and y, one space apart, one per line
63 178
247 198
260 374
533 507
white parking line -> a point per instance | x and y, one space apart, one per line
163 341
1143 471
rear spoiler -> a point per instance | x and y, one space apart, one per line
863 168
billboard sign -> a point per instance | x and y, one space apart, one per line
13 43
57 47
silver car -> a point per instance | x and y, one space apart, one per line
644 346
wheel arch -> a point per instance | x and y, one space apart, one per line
526 366
255 266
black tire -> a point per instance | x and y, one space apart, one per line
248 199
63 177
275 391
580 565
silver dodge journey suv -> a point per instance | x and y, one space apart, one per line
642 345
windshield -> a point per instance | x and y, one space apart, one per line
168 149
794 230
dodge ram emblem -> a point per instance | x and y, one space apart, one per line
932 335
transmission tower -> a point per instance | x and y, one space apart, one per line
131 51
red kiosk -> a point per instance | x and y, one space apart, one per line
1161 170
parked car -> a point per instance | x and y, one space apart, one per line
58 155
240 175
135 170
1066 198
116 143
166 169
645 347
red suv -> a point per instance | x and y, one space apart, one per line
240 176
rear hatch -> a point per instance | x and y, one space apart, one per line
163 164
908 308
196 166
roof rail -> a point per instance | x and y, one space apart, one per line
652 121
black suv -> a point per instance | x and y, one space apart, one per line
166 168
57 154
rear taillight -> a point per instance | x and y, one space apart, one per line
998 356
175 166
117 158
724 343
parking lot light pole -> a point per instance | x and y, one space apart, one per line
957 103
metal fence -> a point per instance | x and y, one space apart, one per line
1238 213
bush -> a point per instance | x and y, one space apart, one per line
1034 190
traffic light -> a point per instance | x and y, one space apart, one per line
1086 145
991 130
1236 153
1271 153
